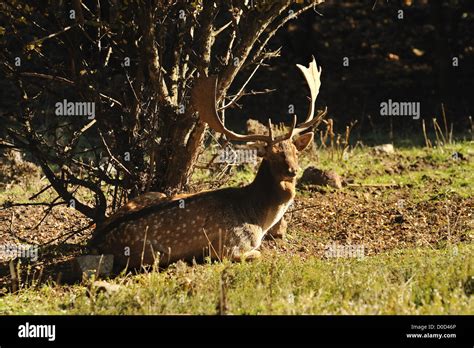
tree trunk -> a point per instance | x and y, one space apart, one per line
176 157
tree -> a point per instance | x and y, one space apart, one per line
100 89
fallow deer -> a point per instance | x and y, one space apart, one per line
229 222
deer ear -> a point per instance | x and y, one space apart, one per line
303 141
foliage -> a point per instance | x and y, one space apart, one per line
123 72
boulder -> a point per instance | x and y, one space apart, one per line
384 149
315 176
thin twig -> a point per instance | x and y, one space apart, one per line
67 81
48 211
68 235
112 156
445 122
427 141
52 35
36 195
8 205
221 29
238 95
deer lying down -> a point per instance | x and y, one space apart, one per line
224 223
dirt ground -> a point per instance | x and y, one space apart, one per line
378 217
353 216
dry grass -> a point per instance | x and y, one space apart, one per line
416 203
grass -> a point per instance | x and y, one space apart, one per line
417 281
437 278
421 167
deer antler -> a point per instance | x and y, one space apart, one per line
203 98
313 78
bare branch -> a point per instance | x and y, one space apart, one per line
52 35
107 148
241 91
277 25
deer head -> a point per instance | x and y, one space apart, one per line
280 153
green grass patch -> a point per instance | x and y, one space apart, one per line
428 172
416 281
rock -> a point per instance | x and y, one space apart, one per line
279 229
100 265
384 149
315 176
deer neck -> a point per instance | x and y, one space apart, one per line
269 196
